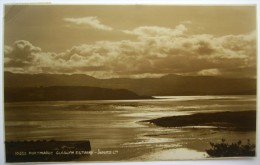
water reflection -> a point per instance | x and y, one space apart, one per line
115 124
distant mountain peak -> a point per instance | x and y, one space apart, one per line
171 84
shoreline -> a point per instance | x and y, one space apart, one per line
236 121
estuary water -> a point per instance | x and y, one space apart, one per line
115 128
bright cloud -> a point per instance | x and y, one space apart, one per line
157 51
209 72
155 31
92 22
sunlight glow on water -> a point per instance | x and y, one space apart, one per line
118 123
175 154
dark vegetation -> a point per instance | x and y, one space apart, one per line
237 121
65 93
167 85
224 149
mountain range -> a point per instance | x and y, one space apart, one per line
67 93
164 86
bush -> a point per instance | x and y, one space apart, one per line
224 149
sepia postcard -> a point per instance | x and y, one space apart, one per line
99 83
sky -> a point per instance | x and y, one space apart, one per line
133 41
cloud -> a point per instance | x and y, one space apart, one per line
155 31
156 51
209 72
20 54
7 49
92 22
